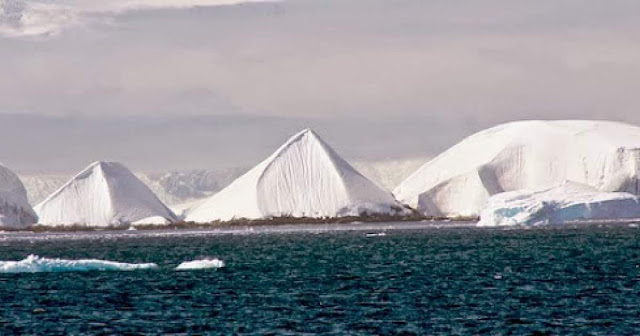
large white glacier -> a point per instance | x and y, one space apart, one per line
521 155
303 178
104 194
15 210
569 202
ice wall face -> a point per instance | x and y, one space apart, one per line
103 194
525 155
15 211
304 178
569 202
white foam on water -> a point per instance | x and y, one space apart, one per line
36 264
376 234
200 264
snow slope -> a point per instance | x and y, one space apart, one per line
525 155
103 194
569 202
15 210
303 178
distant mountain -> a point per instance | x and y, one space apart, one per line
305 177
180 188
101 195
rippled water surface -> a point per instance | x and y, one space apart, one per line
414 280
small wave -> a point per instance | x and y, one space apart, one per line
200 264
35 264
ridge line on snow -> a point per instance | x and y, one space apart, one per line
69 182
323 146
104 179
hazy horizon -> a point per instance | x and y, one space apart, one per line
202 84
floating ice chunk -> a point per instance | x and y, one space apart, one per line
200 264
35 264
375 234
569 202
525 155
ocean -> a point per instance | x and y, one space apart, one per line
357 279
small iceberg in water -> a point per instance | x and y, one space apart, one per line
375 234
36 264
200 264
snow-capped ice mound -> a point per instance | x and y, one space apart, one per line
35 264
103 194
304 178
15 210
200 264
525 155
570 202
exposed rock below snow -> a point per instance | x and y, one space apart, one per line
521 155
15 210
304 178
104 194
569 202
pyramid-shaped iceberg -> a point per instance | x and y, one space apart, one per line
104 194
531 155
15 211
303 178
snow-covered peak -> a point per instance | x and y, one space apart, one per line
525 155
15 211
305 177
102 194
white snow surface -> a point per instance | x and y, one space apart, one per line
200 264
15 210
521 155
35 264
569 202
104 194
303 178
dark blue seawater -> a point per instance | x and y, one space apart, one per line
411 281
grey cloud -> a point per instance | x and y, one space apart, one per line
423 73
41 17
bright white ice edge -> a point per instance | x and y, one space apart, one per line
569 202
35 264
200 264
525 155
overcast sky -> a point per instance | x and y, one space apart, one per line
166 84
